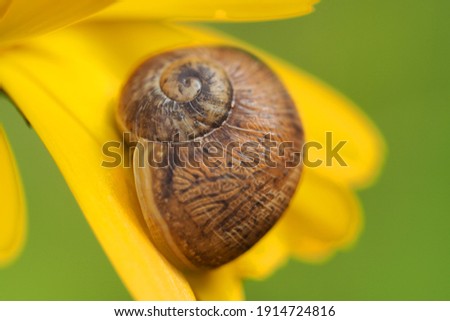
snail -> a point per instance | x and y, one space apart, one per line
204 211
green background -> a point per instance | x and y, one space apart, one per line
392 58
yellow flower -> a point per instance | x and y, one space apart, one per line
66 84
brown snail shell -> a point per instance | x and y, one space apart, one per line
204 215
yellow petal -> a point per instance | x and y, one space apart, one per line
219 10
12 205
217 285
323 216
270 253
329 119
23 18
68 101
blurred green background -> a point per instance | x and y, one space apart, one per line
393 59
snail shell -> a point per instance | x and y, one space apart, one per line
204 215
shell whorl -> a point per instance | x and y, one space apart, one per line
178 95
204 216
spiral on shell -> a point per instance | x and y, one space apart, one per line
204 214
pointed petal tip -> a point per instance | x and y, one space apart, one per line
12 205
